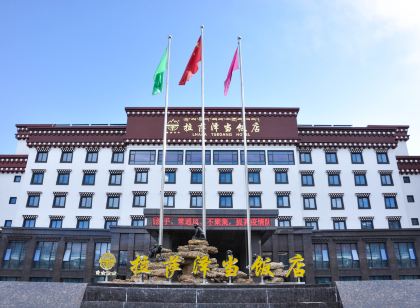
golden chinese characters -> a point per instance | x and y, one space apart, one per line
261 267
172 265
140 265
296 265
230 267
201 264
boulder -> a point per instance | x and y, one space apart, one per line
160 272
279 272
276 265
198 242
191 254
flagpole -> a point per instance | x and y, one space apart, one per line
165 121
248 211
203 138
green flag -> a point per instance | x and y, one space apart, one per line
160 71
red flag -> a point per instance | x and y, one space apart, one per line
233 66
192 66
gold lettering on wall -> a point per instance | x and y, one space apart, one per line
215 126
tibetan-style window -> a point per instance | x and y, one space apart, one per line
41 157
360 180
196 176
307 180
337 202
137 222
331 158
225 176
88 178
139 198
37 178
254 177
91 157
309 202
33 200
281 177
386 180
339 224
225 200
284 222
357 158
312 224
59 200
29 222
63 177
363 202
255 200
305 158
86 200
196 199
142 176
334 180
56 223
113 201
366 224
82 223
117 157
169 199
170 176
66 157
115 178
390 202
283 199
382 158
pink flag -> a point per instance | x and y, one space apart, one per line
233 66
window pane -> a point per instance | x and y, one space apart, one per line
173 157
142 157
276 157
255 157
225 157
193 157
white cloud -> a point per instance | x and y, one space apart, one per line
393 18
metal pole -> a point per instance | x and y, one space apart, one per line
203 138
248 211
165 122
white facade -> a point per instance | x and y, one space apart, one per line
268 188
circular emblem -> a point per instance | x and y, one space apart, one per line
173 125
107 261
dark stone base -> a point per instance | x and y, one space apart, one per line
224 295
41 294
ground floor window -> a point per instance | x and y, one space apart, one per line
323 280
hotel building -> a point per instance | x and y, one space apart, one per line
346 198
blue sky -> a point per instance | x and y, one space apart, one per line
342 62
